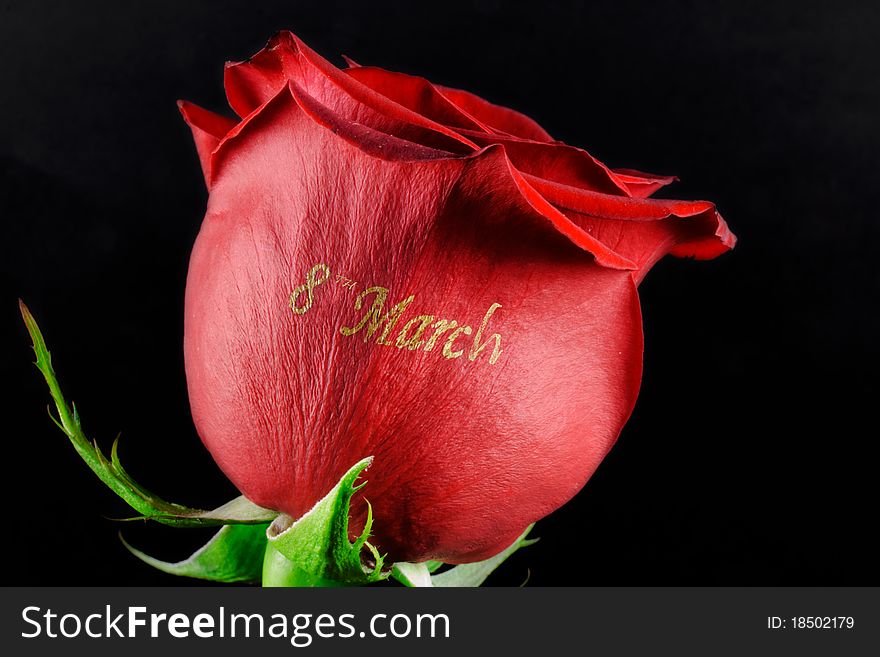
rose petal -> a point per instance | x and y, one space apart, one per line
480 112
555 161
416 94
642 230
499 117
642 185
208 130
368 140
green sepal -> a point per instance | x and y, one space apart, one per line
279 571
317 546
111 472
469 574
234 554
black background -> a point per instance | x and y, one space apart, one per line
749 457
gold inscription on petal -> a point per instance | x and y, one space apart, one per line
441 327
414 341
376 322
315 277
373 318
478 347
450 341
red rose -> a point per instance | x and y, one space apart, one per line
392 268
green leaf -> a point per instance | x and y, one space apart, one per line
474 574
234 554
111 472
316 546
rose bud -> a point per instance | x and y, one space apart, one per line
396 269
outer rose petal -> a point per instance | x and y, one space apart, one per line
642 185
642 230
208 130
557 162
467 452
499 117
416 94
